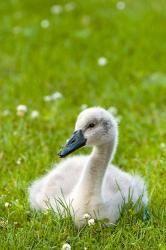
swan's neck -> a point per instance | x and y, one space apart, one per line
92 177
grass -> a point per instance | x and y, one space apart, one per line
35 62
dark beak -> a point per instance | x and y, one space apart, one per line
76 141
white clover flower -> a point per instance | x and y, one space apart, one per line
102 61
84 106
56 9
86 216
113 110
7 204
120 5
66 246
18 162
53 97
34 114
47 98
2 196
56 95
70 6
91 222
45 23
163 145
6 112
21 110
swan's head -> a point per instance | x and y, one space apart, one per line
94 127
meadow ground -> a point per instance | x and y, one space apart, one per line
44 50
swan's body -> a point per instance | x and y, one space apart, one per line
90 184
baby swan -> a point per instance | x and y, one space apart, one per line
89 184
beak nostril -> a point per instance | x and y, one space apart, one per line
77 141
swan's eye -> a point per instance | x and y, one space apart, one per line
91 125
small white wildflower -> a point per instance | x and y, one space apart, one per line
86 216
56 9
85 248
56 95
7 204
163 145
113 110
66 246
84 106
102 61
6 112
70 6
18 162
45 24
15 223
21 110
120 5
91 222
53 97
2 196
47 98
34 114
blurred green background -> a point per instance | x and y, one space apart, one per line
51 46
